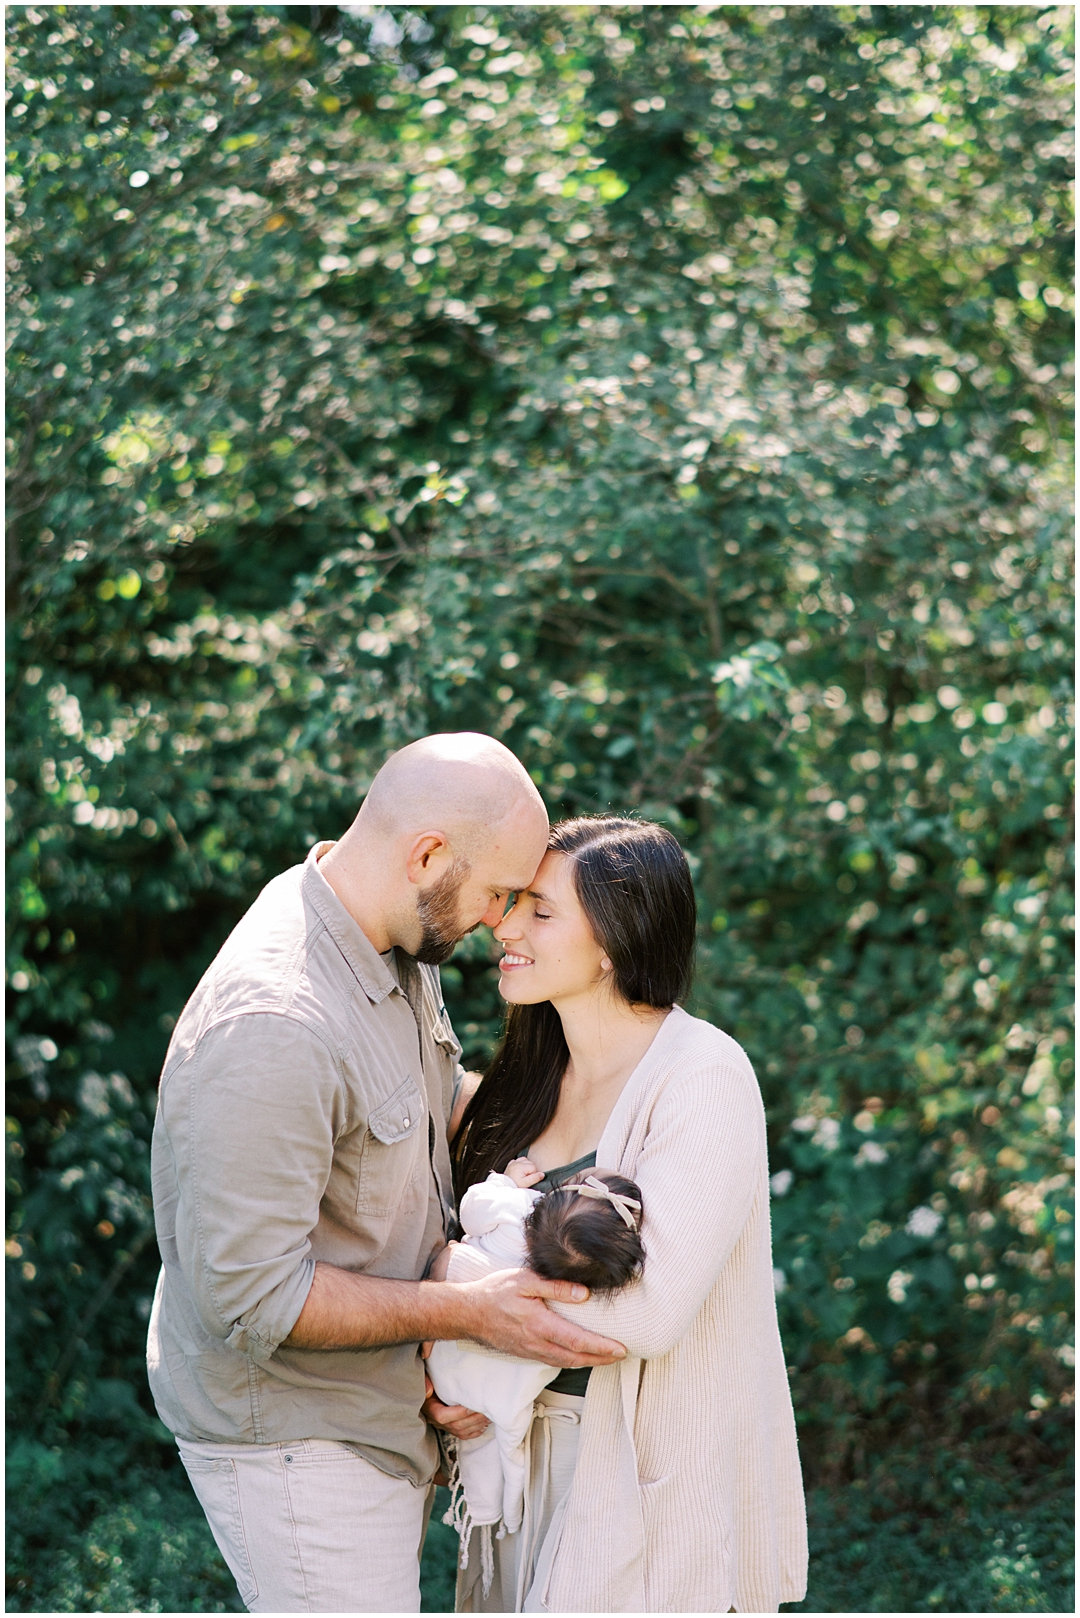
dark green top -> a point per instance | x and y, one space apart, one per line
574 1381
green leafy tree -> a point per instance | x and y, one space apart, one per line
679 395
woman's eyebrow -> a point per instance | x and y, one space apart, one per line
533 894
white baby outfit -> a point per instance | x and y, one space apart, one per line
491 1468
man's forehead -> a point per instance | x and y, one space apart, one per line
512 841
516 853
509 869
516 880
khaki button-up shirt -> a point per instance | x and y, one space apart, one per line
302 1116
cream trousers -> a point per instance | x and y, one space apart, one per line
311 1526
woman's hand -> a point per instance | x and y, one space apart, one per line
453 1419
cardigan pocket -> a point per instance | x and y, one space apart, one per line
665 1525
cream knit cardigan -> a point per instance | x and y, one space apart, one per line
687 1495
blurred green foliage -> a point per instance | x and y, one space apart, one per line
88 1531
931 1532
906 1538
676 393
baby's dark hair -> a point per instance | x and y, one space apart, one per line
575 1238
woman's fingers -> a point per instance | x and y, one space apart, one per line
455 1419
473 1426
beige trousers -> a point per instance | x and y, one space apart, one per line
311 1526
523 1560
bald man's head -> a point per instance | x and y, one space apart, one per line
450 826
461 782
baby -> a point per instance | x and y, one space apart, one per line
586 1230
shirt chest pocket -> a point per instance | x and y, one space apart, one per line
392 1150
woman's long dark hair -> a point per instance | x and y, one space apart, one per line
633 883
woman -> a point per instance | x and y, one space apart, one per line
668 1482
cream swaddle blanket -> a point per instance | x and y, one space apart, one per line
491 1468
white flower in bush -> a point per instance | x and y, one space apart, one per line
827 1135
94 1095
923 1222
780 1182
897 1285
870 1152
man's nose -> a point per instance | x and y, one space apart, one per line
505 929
493 915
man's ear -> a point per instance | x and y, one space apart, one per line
427 853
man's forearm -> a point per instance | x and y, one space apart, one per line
506 1310
346 1310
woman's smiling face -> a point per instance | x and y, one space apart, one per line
551 951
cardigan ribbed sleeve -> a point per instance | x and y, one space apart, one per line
702 1161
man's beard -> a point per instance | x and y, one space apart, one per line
437 908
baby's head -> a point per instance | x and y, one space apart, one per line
582 1235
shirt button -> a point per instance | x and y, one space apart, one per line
404 1123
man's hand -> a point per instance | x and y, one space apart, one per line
509 1315
453 1419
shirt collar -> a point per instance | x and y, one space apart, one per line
363 959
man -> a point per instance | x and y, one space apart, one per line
302 1184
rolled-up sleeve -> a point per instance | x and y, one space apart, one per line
266 1103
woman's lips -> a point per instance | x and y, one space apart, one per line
511 962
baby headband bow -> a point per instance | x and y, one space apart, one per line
592 1187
